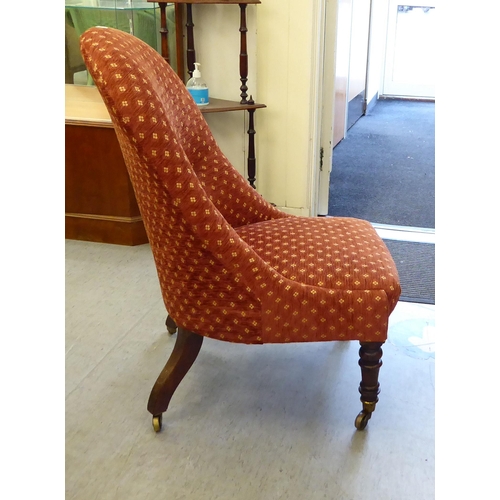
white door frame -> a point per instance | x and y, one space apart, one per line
327 37
326 142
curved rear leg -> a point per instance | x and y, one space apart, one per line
171 325
186 349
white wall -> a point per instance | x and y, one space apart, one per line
217 44
285 70
282 67
378 32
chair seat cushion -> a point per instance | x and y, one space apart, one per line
345 265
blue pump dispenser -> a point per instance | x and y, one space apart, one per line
197 87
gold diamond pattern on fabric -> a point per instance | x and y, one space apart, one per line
231 266
344 282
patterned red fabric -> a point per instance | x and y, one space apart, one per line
231 266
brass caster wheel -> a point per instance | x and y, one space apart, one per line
362 420
157 421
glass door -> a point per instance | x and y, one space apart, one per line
410 52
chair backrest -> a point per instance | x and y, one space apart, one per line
189 195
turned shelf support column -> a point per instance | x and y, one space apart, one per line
165 50
164 32
191 59
179 41
251 146
243 54
190 52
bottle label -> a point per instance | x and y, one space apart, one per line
200 96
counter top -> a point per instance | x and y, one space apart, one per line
84 106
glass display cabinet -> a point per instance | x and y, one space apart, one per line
137 17
100 203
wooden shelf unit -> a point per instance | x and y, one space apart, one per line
216 105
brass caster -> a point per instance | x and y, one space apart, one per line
157 421
362 420
171 330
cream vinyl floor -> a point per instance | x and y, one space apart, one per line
248 422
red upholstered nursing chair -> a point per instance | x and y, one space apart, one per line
231 266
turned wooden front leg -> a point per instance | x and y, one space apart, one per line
370 354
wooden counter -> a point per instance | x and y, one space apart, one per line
84 106
100 201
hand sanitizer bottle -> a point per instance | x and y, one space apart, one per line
197 87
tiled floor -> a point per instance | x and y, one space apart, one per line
248 422
413 327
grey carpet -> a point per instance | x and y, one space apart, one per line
383 171
415 263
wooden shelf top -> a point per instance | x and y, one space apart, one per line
84 106
207 1
221 105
